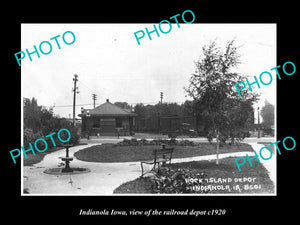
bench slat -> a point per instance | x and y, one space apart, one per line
148 162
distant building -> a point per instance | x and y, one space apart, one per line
106 120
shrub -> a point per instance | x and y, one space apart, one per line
74 135
40 122
186 143
177 181
144 142
64 136
29 137
172 141
128 142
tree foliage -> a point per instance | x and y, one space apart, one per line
212 89
148 115
267 113
40 122
123 105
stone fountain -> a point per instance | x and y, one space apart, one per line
67 170
67 160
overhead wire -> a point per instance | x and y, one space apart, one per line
95 92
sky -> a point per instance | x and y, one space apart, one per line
110 63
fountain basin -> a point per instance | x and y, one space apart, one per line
59 171
66 158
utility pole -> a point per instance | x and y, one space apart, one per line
159 112
258 123
94 98
75 90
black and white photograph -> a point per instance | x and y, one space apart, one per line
143 109
150 113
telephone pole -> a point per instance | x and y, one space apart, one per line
159 112
75 90
94 98
258 123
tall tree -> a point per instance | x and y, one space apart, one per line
212 88
40 121
123 105
32 114
267 113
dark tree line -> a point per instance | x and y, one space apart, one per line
149 116
38 122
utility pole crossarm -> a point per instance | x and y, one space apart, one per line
161 97
94 98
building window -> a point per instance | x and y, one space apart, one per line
118 122
108 122
125 124
96 123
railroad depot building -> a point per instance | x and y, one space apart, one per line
107 120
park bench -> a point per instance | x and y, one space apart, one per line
160 158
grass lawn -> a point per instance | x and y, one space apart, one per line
115 153
272 147
256 176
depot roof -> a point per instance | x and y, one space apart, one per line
106 109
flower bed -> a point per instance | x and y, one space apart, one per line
170 180
172 141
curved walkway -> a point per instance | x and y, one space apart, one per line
103 179
270 164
